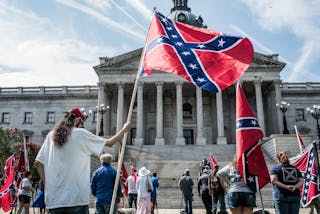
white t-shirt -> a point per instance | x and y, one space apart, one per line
131 185
25 182
67 168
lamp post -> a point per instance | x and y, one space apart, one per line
101 109
315 113
283 106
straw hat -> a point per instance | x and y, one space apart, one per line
144 171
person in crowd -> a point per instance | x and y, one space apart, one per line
286 180
132 190
102 184
203 190
185 184
240 198
25 192
315 205
144 188
155 185
39 199
63 163
203 164
216 190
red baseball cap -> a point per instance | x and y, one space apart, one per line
76 112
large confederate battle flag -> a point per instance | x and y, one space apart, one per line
306 162
251 163
207 58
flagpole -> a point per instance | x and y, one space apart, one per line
261 201
124 140
26 158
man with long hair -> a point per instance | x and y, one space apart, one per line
63 163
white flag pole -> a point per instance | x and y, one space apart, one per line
124 140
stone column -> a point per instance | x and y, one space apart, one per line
101 100
107 116
138 141
221 139
120 106
200 139
179 139
159 138
259 103
278 100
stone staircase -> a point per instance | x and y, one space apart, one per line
169 161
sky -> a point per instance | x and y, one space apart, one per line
57 42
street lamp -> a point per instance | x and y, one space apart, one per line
101 109
315 113
283 106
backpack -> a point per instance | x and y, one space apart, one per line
215 184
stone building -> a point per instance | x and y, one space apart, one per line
168 110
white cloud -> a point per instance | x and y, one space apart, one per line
141 8
122 27
34 52
301 18
102 5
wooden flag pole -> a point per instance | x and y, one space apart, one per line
261 202
124 140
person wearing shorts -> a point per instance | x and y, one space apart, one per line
25 191
240 198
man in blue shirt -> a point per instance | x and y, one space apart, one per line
102 183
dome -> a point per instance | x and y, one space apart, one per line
181 13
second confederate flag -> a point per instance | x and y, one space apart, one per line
251 162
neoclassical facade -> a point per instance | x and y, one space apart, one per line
167 110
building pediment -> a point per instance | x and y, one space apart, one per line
130 61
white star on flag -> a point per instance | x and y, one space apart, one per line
164 20
186 53
174 36
251 179
221 43
199 79
201 46
179 43
169 28
193 66
253 122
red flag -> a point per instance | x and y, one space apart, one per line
307 164
300 141
251 162
5 190
207 58
21 169
213 161
123 178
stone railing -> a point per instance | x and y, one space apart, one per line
49 90
301 85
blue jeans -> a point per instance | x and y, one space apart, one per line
105 209
70 210
287 205
219 196
237 199
187 203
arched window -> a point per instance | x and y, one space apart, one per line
187 110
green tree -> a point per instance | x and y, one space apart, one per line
11 142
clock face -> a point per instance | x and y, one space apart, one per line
182 17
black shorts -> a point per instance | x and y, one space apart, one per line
24 199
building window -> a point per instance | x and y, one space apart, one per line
187 110
51 117
188 136
5 117
300 114
28 117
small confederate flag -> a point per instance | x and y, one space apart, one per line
8 185
207 58
213 161
251 162
123 179
307 164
